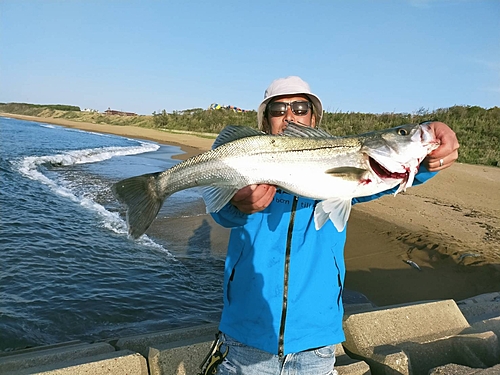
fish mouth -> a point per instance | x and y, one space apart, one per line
383 172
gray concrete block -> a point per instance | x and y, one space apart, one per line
180 357
142 343
354 368
345 365
416 322
390 360
475 350
412 339
481 307
122 362
492 324
41 356
454 369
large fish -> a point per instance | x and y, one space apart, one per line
304 161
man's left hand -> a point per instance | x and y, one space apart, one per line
446 154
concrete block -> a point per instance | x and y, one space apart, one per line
481 307
142 343
345 365
408 339
41 356
122 362
454 369
388 360
416 322
492 324
180 357
475 350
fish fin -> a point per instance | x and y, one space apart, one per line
347 172
296 130
335 209
142 201
216 197
234 132
408 181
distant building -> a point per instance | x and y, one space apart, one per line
231 107
119 113
90 110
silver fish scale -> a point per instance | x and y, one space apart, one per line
212 167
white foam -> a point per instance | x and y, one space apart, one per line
29 167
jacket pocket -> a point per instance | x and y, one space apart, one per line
229 275
340 274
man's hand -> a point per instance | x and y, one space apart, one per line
253 198
446 154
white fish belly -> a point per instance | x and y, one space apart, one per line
305 179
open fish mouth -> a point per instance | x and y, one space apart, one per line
383 172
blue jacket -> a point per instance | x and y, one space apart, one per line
283 279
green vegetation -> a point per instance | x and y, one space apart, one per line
26 108
200 120
478 129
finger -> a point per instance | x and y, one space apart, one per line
244 193
259 200
267 198
437 164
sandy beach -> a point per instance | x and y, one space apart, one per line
449 226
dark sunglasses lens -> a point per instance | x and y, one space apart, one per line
277 109
300 108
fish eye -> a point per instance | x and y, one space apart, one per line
402 131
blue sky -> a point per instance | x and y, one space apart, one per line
144 56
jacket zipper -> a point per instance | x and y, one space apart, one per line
281 339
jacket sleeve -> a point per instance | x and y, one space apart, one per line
422 176
230 217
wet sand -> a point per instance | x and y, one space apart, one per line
449 226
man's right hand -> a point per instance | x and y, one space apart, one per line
253 198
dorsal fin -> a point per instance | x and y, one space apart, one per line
295 130
233 132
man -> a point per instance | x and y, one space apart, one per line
284 279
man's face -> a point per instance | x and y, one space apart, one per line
276 121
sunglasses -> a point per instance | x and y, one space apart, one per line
299 108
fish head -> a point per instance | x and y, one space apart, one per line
396 153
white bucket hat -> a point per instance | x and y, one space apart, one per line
289 86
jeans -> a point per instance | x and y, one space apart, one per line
245 360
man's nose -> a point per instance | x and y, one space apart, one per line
289 116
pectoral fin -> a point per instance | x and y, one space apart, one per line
347 173
216 198
335 209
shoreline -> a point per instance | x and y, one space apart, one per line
448 226
189 143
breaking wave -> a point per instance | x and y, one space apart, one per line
84 192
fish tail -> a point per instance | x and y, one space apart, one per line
143 200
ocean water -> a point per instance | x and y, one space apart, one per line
68 270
